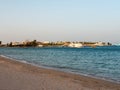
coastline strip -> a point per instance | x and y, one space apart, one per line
15 75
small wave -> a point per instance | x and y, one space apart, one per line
5 56
23 61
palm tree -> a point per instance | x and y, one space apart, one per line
34 43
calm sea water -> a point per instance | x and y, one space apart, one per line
100 62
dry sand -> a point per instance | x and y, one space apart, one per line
15 75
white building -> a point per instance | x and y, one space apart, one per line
15 43
40 45
46 42
76 45
99 44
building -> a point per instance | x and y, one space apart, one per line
15 43
99 44
76 45
40 45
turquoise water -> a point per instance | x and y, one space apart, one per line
100 62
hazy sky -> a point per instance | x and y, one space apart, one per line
54 20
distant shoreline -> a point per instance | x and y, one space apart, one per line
36 43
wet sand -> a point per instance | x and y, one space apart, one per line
15 75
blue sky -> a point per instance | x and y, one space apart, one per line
54 20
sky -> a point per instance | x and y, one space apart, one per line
60 20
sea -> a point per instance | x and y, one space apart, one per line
100 62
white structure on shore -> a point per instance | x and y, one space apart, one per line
40 45
15 43
99 44
76 45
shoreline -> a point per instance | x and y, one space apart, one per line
59 70
53 79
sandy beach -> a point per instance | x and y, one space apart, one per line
15 75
